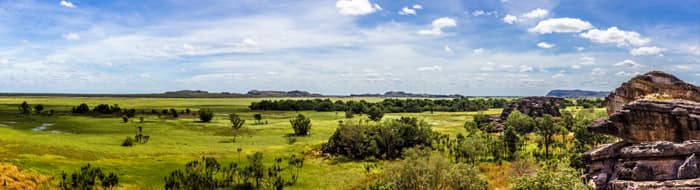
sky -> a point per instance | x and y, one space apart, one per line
339 47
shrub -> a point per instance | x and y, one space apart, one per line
384 140
87 178
258 118
81 109
375 113
349 114
206 115
38 108
551 178
301 125
128 142
24 108
125 119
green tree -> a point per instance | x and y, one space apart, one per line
375 113
258 118
205 114
562 178
512 141
38 108
25 108
481 120
301 125
546 128
522 123
236 124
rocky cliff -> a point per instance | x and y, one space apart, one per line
660 147
654 82
534 106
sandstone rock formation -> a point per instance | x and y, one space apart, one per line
650 83
535 106
660 147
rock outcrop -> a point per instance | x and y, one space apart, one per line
660 147
534 106
654 82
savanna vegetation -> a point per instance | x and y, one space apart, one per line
349 143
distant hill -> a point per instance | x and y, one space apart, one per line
401 94
577 93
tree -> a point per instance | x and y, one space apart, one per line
39 108
81 109
546 129
25 108
481 120
522 123
206 115
512 140
301 125
236 124
349 114
375 113
551 179
258 118
422 170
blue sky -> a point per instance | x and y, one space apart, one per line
495 47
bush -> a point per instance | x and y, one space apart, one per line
258 118
87 178
349 114
375 113
38 108
81 109
384 140
24 108
205 114
301 125
128 142
551 178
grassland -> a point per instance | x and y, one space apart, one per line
72 141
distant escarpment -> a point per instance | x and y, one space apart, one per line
401 94
657 116
577 94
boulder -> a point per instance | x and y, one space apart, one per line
654 82
653 120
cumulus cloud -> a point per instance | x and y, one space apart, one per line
580 48
438 25
447 49
68 4
482 13
71 36
598 72
407 11
417 7
628 63
537 13
561 25
510 19
525 68
479 50
626 74
434 68
613 35
683 67
545 45
4 61
651 50
558 75
587 61
356 7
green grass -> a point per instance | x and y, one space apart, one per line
74 141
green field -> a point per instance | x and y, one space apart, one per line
70 141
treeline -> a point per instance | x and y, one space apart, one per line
389 105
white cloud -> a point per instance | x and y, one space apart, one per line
626 74
249 42
613 35
407 11
561 25
506 66
482 12
71 36
545 45
68 4
537 13
4 61
438 25
524 68
651 50
434 68
580 48
447 49
510 19
587 61
694 50
356 7
683 67
628 63
598 72
487 68
558 75
576 66
189 49
479 50
417 7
